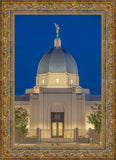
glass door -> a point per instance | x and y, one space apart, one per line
54 129
60 128
57 124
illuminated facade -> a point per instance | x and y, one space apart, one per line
57 104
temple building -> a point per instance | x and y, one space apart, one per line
57 104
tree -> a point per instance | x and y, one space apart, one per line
21 120
95 118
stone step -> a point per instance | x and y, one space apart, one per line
57 139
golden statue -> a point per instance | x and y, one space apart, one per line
57 28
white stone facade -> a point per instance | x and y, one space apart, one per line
66 100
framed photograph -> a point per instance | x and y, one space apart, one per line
57 79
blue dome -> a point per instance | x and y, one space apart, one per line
57 60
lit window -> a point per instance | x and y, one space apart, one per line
43 81
57 80
71 81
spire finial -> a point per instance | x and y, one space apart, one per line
57 29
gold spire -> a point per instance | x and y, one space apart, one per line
57 28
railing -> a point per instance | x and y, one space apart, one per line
32 133
83 133
67 136
45 133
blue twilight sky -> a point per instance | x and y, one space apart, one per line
80 36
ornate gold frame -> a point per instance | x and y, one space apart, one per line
9 10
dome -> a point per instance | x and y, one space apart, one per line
57 60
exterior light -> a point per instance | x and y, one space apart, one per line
71 81
57 80
43 81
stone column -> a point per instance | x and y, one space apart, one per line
38 134
73 109
76 134
41 108
90 135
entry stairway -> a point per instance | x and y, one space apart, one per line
59 140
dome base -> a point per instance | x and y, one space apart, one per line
57 80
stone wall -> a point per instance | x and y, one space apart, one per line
23 139
18 137
94 135
83 140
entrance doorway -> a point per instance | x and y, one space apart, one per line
57 124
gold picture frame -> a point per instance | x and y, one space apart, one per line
9 10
